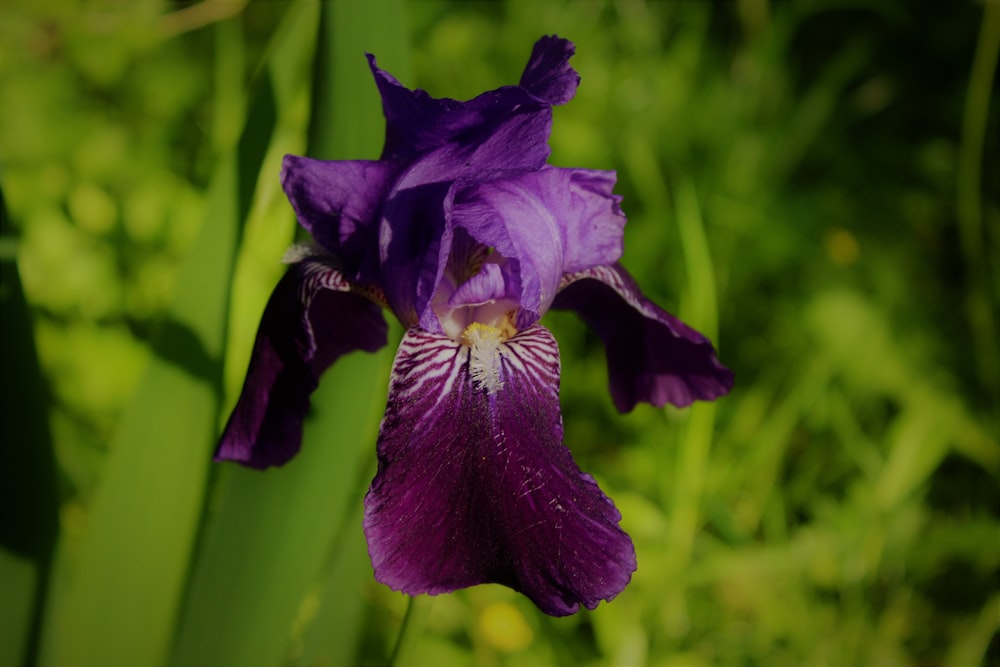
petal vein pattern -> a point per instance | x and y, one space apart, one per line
429 360
476 487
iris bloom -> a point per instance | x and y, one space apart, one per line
464 232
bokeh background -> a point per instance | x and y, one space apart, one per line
813 184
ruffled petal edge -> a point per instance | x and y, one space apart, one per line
475 486
653 357
313 317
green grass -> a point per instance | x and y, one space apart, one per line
811 184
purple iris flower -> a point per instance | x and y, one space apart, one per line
465 233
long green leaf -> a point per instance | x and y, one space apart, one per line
117 600
28 521
269 535
19 579
117 604
693 457
332 637
269 532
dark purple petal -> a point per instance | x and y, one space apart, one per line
510 118
415 121
311 319
548 74
653 357
412 234
441 141
549 222
519 140
475 486
338 202
415 238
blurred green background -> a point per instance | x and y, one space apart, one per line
814 184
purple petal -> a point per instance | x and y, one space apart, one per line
410 239
511 119
415 237
490 284
653 357
550 222
338 203
444 140
548 74
475 486
311 319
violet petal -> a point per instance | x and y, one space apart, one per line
548 74
653 357
311 319
488 285
411 236
414 236
417 123
338 202
549 222
443 140
476 486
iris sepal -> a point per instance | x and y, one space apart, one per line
652 356
313 317
476 486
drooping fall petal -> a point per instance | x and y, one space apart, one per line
312 318
653 357
474 484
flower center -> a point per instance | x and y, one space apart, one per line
477 288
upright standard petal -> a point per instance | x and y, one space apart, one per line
474 484
417 123
549 222
548 75
311 319
338 202
653 357
442 141
411 234
415 236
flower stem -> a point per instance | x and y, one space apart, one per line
401 638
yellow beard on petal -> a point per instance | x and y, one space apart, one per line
484 342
